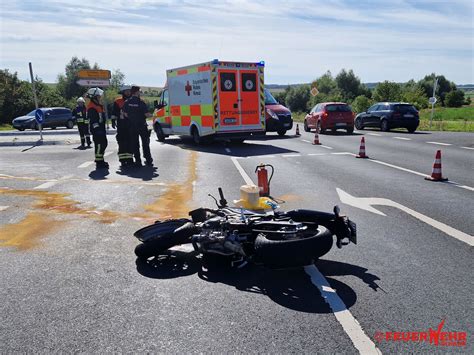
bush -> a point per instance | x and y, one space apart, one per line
454 98
361 103
297 98
387 91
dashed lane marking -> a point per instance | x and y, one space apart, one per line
402 138
291 155
326 147
467 148
46 185
374 134
314 154
439 143
306 141
242 172
351 326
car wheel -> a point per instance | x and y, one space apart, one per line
305 126
281 132
159 133
358 124
384 126
196 137
52 127
411 129
34 125
350 130
21 129
70 124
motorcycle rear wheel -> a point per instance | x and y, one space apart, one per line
160 243
294 252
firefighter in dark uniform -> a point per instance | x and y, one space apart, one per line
96 117
137 112
79 113
125 151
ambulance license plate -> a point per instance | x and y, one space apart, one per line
230 120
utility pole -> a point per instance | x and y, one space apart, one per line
36 99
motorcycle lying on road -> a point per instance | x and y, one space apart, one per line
275 239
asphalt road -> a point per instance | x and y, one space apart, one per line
70 281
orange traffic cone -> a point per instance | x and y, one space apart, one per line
316 138
436 175
362 149
298 130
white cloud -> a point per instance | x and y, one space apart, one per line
298 40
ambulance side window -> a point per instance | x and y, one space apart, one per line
227 81
165 98
249 82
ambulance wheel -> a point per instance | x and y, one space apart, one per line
281 132
159 133
196 137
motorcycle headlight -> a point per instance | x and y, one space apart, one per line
272 114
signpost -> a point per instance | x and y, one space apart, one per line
101 78
432 100
39 116
36 102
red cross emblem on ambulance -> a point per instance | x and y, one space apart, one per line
188 88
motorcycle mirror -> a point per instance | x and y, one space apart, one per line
222 201
337 210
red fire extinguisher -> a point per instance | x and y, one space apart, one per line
263 180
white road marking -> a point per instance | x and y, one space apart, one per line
86 164
344 153
3 208
374 134
402 138
306 141
366 203
228 150
242 172
351 326
438 143
291 155
468 148
325 146
46 185
319 154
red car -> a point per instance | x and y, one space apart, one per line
330 115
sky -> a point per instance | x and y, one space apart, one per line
395 40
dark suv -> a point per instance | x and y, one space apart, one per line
388 115
53 117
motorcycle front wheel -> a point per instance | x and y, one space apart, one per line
160 243
293 252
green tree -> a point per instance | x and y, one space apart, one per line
387 91
361 103
454 98
297 98
444 86
67 85
334 96
349 85
325 83
117 79
413 93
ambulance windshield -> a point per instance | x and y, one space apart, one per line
269 99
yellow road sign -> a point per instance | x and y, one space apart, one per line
314 91
94 74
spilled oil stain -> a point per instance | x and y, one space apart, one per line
290 198
27 233
175 202
59 203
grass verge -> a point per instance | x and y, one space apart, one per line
5 127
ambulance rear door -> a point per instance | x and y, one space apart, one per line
239 99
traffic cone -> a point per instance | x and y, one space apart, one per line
362 149
316 138
298 130
436 175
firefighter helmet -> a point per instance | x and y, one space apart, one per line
124 88
81 99
93 92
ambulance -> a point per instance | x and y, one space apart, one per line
212 100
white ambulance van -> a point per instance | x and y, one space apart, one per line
213 100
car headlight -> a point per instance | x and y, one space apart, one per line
272 114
